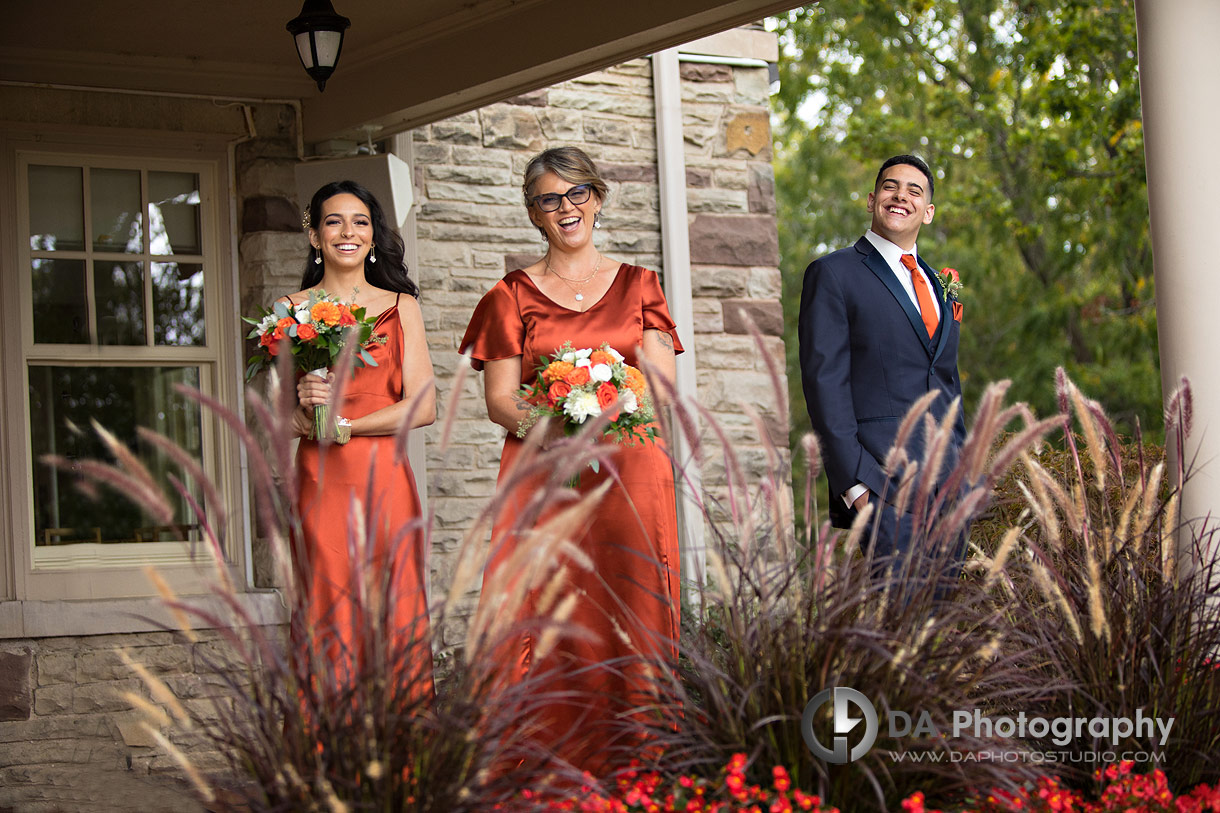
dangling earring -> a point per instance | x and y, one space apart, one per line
317 256
372 256
597 220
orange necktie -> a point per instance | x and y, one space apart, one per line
926 309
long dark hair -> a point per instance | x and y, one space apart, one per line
390 270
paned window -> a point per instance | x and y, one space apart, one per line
120 291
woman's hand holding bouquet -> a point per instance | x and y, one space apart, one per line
576 385
314 332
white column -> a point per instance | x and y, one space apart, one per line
1179 69
400 145
417 452
675 247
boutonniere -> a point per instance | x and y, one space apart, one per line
950 284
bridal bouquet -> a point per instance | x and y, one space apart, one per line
314 332
576 385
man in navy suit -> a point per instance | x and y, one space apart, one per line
876 334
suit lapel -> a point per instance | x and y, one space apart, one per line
946 310
877 264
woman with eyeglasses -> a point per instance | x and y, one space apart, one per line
625 612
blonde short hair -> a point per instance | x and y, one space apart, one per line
570 163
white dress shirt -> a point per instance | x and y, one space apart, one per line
892 254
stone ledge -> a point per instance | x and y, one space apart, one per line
57 619
748 43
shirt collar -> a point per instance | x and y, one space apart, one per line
890 252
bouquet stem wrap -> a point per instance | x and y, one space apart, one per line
324 425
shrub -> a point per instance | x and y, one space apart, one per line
1122 599
311 722
1081 605
783 617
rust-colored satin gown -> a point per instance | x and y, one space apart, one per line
366 468
633 539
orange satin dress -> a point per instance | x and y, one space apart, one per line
368 476
629 601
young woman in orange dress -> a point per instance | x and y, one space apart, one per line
359 507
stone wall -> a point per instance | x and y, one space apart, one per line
271 244
734 246
71 741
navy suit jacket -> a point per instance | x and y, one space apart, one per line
865 358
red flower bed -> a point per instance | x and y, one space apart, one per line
1125 792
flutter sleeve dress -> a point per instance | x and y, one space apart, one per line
628 602
370 470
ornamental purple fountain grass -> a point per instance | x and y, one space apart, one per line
1074 601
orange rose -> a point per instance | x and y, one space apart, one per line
558 391
607 397
346 319
273 348
278 333
556 370
266 339
325 312
601 357
635 381
607 394
307 333
577 376
285 323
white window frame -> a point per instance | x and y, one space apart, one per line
114 570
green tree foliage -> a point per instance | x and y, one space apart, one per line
1029 114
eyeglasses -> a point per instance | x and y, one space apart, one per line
551 202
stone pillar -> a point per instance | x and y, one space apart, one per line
1179 63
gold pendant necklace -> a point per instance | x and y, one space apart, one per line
578 295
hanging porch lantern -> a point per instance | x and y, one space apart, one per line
318 32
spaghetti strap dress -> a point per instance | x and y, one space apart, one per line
366 484
628 600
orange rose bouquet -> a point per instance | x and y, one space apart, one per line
576 385
314 332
